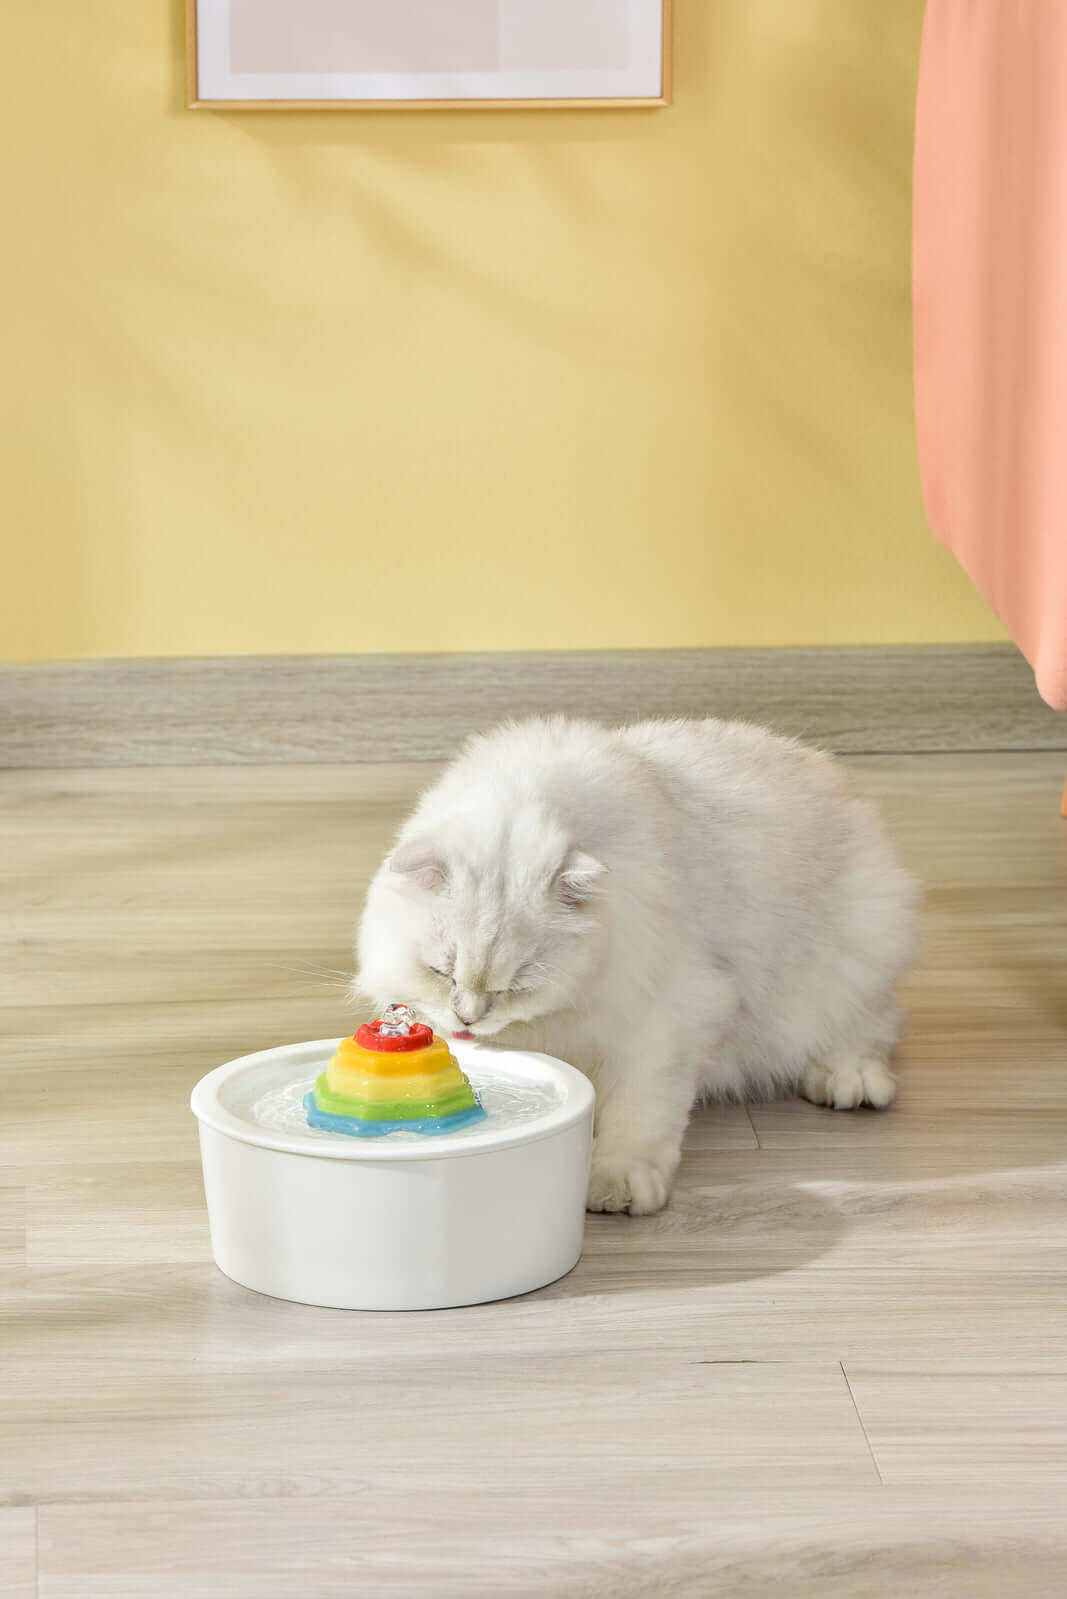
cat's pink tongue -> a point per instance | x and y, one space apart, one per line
462 1035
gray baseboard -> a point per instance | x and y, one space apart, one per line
262 709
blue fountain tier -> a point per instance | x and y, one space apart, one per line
356 1128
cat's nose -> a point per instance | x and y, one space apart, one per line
470 1007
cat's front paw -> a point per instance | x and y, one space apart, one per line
848 1083
629 1182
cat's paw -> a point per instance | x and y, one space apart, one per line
629 1182
862 1081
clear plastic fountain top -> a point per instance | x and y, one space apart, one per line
397 1021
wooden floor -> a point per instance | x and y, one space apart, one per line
836 1365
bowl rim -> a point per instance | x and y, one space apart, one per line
577 1102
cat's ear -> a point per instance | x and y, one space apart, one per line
422 864
578 879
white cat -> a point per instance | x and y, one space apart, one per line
680 909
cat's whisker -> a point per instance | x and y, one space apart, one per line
310 977
322 982
546 973
312 971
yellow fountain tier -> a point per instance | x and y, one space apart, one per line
376 1088
353 1062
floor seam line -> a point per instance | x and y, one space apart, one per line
863 1428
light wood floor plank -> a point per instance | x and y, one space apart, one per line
163 885
855 1542
18 1553
555 1425
72 1323
12 1220
68 1039
965 1427
136 1213
954 1113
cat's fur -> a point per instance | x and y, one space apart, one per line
678 908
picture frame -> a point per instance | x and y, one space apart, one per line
427 55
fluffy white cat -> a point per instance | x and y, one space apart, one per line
680 909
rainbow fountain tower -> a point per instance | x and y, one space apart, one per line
395 1074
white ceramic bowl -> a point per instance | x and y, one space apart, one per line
405 1222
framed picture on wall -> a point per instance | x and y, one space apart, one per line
359 55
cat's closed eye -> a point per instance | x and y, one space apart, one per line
439 973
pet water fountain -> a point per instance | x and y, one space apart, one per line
393 1171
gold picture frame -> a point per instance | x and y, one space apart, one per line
195 101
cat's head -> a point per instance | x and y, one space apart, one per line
481 928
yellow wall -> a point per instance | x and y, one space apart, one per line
569 379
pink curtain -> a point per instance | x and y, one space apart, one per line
990 292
